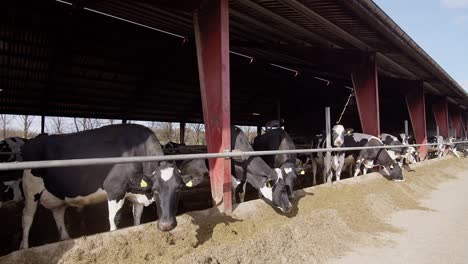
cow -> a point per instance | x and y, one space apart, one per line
403 155
436 150
253 170
10 181
11 192
198 168
140 182
278 139
450 146
368 157
12 146
336 162
173 145
462 147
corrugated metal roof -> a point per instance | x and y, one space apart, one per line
57 60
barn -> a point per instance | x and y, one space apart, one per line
221 62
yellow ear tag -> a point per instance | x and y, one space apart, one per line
189 184
143 184
302 172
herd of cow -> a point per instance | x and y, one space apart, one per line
143 183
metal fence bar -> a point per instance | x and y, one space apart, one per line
328 176
233 154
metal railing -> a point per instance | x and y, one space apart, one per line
230 154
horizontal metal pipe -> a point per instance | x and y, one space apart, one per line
232 154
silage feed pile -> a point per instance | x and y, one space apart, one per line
328 222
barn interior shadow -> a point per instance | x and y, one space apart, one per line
207 223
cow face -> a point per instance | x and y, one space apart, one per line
395 172
410 155
167 183
289 174
338 133
276 191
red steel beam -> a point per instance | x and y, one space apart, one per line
456 122
416 105
366 90
440 109
211 23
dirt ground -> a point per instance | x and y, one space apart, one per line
328 223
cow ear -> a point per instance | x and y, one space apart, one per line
300 171
270 183
349 131
190 181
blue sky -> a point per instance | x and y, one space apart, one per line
440 27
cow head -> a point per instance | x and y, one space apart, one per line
197 168
289 172
338 133
276 190
394 171
167 183
410 154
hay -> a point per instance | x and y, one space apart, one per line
327 222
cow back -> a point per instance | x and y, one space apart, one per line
275 139
124 140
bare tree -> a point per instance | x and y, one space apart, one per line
166 131
87 123
4 122
59 125
199 135
25 121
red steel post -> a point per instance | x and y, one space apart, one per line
416 105
366 90
440 109
456 121
211 23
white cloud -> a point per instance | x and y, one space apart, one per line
455 3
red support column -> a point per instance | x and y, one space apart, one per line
366 90
416 104
211 23
440 109
456 121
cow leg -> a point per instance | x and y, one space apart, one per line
242 194
137 211
314 171
59 217
30 207
357 167
114 207
32 186
114 185
339 167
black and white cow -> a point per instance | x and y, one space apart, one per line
10 181
462 148
198 168
12 146
371 157
278 139
254 170
450 146
438 149
403 155
336 162
59 188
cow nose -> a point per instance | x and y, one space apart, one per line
166 226
286 208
